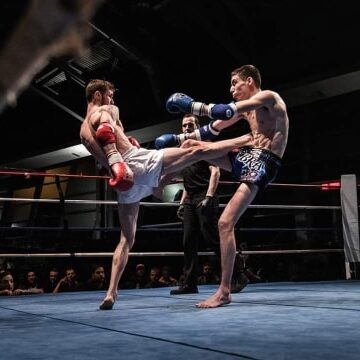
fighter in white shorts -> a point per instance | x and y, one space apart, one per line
136 171
147 166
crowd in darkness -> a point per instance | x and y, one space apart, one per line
19 278
30 282
26 278
17 281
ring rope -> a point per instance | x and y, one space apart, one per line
165 253
152 228
179 223
29 174
166 204
226 182
160 226
241 229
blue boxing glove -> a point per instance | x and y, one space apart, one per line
179 102
221 111
166 140
206 132
214 111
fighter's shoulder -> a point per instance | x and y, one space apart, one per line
269 97
109 108
113 110
266 94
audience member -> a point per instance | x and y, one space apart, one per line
97 280
166 279
154 278
51 281
31 285
208 275
138 280
68 282
6 284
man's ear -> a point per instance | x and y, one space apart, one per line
250 80
97 95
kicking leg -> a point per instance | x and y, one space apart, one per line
192 151
128 214
228 219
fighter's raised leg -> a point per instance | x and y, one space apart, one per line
192 151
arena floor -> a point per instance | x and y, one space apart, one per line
314 320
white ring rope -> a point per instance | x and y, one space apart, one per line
157 204
166 253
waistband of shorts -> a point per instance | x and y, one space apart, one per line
128 152
265 152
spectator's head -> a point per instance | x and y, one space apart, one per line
154 274
165 272
140 270
31 277
70 274
53 275
98 274
207 269
6 281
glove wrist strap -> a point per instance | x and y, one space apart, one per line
114 158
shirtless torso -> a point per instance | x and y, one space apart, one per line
269 125
266 114
95 116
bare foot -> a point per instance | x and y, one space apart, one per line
216 300
107 303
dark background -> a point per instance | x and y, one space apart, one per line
150 49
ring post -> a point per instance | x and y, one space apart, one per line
350 221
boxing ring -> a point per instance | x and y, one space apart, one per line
317 320
272 320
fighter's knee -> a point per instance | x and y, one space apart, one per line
224 226
127 242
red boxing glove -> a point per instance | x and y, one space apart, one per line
105 134
134 142
122 178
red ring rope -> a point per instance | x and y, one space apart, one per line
29 174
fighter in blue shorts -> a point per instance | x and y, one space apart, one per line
255 164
